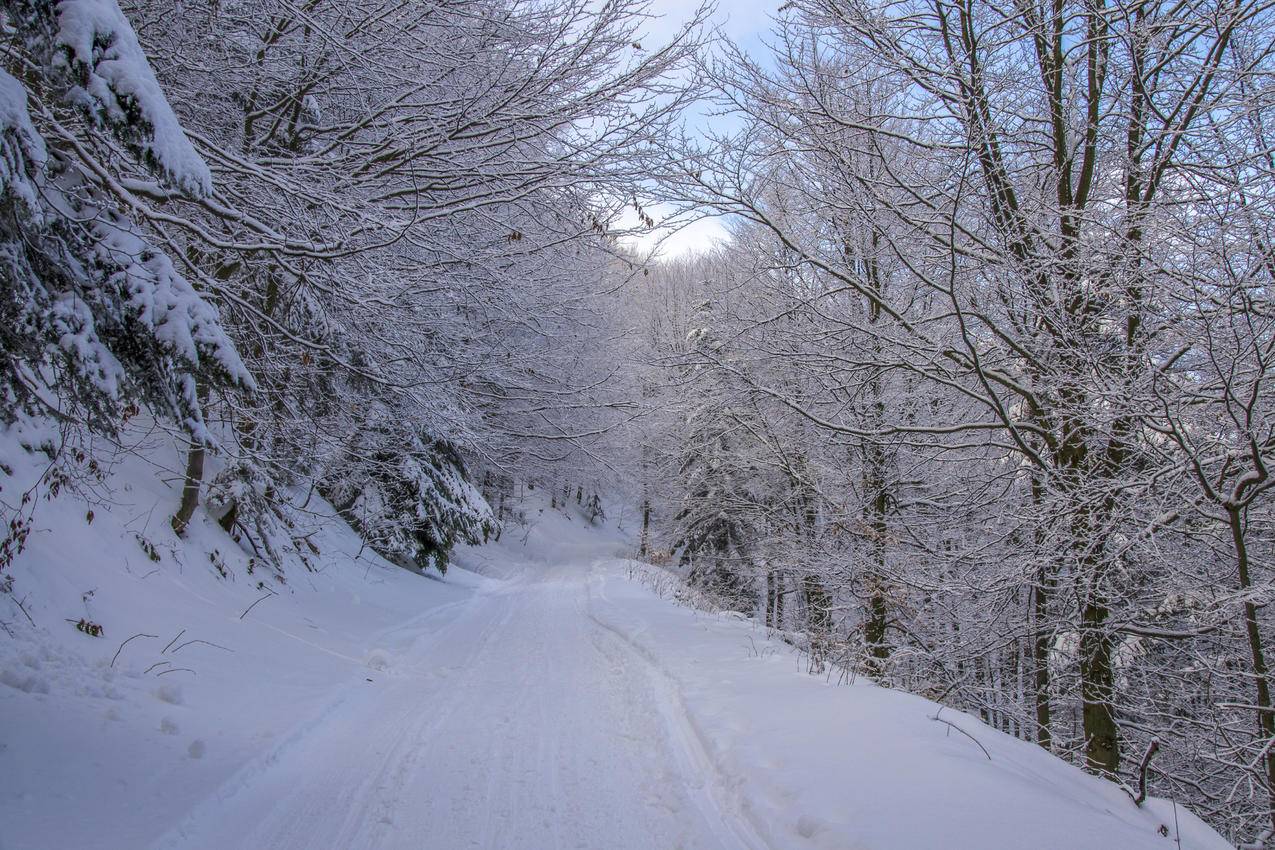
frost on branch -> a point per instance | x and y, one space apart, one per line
90 306
93 54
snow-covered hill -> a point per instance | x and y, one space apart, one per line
541 695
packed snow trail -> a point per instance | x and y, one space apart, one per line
521 723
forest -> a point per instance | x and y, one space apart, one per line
972 402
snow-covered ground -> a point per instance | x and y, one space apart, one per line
810 763
537 697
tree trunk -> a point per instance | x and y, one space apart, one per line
644 546
194 473
818 616
1040 657
1040 632
190 491
779 599
1097 691
1265 718
770 598
874 628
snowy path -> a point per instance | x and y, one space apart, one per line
520 723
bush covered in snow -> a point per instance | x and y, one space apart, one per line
409 496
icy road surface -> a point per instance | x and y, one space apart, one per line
520 723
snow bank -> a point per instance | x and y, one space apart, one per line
859 767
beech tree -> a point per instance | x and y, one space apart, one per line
1011 261
416 213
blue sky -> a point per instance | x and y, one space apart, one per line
742 21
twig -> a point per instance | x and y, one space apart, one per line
23 609
953 686
122 645
164 651
206 642
951 725
244 529
177 670
1258 843
153 666
255 604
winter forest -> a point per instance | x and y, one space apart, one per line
971 400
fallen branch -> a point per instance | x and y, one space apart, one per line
951 725
23 609
255 604
164 651
207 643
122 645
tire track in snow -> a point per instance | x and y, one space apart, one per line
716 799
522 724
205 825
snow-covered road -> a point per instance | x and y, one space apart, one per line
521 722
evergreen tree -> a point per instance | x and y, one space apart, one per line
95 318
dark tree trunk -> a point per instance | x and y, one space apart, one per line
644 546
1040 633
818 615
779 600
190 491
770 598
875 624
194 474
1040 658
1265 718
874 631
1097 691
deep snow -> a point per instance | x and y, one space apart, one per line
542 695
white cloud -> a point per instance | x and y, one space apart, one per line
671 236
666 244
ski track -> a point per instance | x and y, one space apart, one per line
522 721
